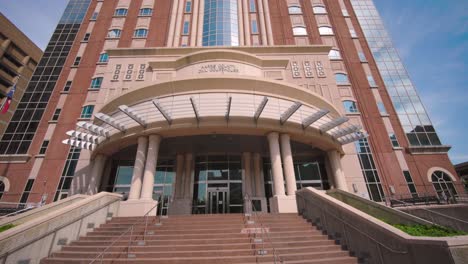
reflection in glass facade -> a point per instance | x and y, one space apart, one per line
371 175
67 174
25 121
413 116
220 23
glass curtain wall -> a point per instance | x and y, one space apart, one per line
220 23
413 117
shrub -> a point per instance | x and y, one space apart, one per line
429 230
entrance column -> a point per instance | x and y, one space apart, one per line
280 203
335 163
150 167
259 186
259 183
288 164
188 176
135 188
179 188
246 160
277 171
96 173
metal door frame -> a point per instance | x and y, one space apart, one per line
217 190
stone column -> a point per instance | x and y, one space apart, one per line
247 164
288 164
188 176
150 167
338 176
246 22
179 187
266 7
276 169
259 186
97 170
135 188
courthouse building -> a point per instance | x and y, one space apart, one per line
199 104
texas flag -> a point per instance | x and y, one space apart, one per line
6 104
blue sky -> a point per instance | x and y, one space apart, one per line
431 36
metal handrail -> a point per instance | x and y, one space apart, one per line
437 213
101 255
6 254
276 257
360 231
19 211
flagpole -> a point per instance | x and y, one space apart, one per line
14 85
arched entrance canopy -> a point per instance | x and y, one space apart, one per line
207 105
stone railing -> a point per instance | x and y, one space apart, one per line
37 238
372 240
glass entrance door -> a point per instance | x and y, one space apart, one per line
217 201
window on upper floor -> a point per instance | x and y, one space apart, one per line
371 81
188 7
299 31
319 10
353 33
86 37
146 12
295 10
350 106
254 27
140 33
77 61
67 86
114 33
362 57
121 12
104 57
345 12
443 184
95 15
410 182
394 140
87 111
44 146
96 82
382 109
334 55
252 6
325 31
56 115
341 79
186 29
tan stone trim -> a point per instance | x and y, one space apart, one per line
14 158
209 55
292 49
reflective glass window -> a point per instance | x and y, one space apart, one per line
87 111
299 31
188 7
254 27
104 57
350 106
394 140
318 10
381 107
294 10
325 31
341 79
140 33
252 6
443 185
121 12
96 82
220 23
146 12
186 29
334 55
114 33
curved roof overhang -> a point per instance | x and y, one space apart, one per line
223 105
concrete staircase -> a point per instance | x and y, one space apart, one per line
205 239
